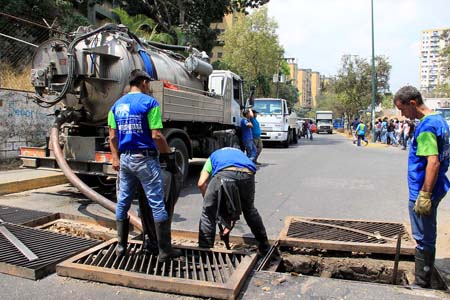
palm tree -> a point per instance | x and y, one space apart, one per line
145 27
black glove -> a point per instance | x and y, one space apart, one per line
171 162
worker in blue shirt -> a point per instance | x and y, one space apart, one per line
428 163
361 133
247 136
230 191
135 137
256 132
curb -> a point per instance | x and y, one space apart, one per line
31 184
371 144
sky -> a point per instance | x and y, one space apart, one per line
318 32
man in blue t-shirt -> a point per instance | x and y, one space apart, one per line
247 136
256 132
428 163
232 186
135 137
361 133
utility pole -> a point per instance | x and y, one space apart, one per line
373 78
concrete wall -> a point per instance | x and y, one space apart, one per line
22 123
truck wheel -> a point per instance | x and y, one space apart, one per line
182 156
295 137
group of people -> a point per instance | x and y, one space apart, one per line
394 132
227 180
251 135
308 128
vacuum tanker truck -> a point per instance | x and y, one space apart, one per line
83 77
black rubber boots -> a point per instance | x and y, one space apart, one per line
166 252
423 267
123 227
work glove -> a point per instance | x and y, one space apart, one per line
423 204
171 162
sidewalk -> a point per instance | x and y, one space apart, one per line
371 144
14 181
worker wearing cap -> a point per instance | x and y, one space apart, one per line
135 138
231 189
428 163
247 136
256 132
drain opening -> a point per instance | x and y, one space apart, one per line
364 267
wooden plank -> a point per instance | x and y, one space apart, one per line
237 279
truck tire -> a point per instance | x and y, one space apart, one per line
182 156
295 137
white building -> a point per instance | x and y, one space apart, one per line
431 65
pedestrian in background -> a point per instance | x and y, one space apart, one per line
256 132
377 137
247 136
384 126
361 133
391 133
135 137
354 124
428 163
311 129
406 129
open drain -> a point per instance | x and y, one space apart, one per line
50 248
21 216
346 235
207 273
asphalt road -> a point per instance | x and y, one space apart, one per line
328 177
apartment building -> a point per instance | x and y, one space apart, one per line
304 88
227 22
431 64
315 88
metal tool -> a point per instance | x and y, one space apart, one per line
397 258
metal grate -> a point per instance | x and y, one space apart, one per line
49 247
19 215
201 272
346 235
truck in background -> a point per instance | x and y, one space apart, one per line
278 123
324 121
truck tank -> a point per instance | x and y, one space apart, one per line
91 72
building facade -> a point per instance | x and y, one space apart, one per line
315 88
432 70
227 22
304 88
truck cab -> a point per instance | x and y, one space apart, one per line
277 123
324 121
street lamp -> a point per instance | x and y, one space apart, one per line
373 78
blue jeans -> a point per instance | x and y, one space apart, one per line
392 137
383 136
250 148
361 137
424 228
135 169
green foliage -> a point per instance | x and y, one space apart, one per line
144 27
289 92
353 84
444 55
252 50
388 101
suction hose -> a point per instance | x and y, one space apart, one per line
75 181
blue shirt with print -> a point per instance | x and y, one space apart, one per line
256 130
431 137
230 157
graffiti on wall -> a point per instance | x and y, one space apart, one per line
22 121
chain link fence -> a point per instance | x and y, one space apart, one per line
19 38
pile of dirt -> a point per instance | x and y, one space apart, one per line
10 164
84 230
359 269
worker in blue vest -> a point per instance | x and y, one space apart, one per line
361 133
428 163
230 191
135 137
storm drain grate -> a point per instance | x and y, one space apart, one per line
201 272
21 216
346 235
50 248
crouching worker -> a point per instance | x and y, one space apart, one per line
135 138
230 191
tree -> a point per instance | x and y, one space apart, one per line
353 85
143 26
252 50
193 17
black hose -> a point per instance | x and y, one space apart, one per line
75 181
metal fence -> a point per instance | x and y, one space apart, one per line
18 39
